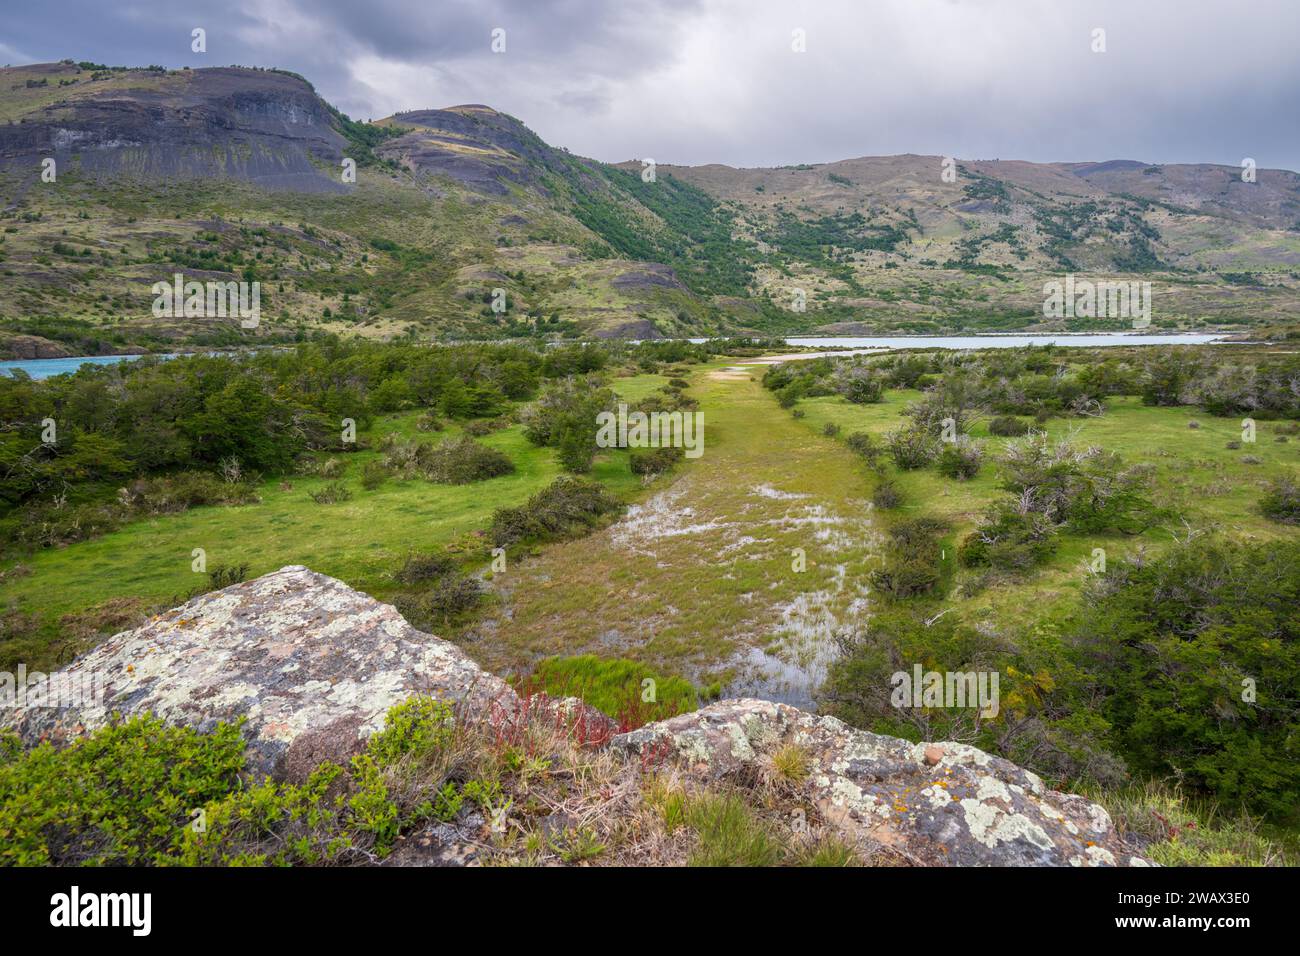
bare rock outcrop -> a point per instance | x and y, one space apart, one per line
261 126
31 347
313 666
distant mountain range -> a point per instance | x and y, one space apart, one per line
238 173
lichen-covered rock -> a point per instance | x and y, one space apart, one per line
936 804
313 665
313 668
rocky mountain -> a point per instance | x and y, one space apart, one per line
461 222
256 126
312 667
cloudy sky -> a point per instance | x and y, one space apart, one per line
699 81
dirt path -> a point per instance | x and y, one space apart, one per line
700 579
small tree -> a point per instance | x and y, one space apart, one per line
1281 503
576 450
911 448
961 459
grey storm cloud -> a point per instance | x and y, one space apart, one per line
700 81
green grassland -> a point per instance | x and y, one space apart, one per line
698 586
701 580
1202 483
727 600
362 541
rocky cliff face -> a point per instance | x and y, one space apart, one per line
253 125
313 666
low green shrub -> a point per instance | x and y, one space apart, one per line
456 461
1009 540
331 468
911 562
1201 685
887 494
140 792
440 601
485 426
463 460
421 568
429 422
333 493
222 576
122 796
654 461
373 474
168 494
903 578
575 451
859 384
961 459
435 592
865 446
568 507
1281 502
1008 426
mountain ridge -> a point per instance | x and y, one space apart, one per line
205 170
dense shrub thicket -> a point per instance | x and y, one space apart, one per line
457 461
1046 380
1053 486
69 442
1008 426
654 461
1196 660
961 459
566 417
911 563
204 429
1185 668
